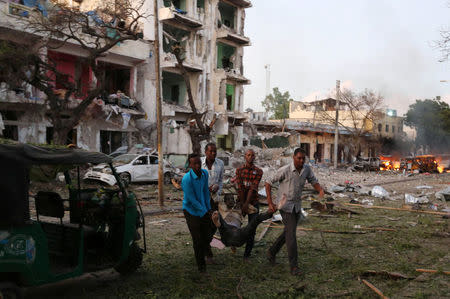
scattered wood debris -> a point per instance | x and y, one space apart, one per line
375 289
264 231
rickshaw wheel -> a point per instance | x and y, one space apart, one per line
9 290
133 261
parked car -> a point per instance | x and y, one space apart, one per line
120 151
132 168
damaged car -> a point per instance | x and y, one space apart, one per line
367 164
132 168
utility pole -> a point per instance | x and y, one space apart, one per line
336 129
267 67
159 109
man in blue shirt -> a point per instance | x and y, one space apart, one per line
197 208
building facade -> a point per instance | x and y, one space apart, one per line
110 122
385 124
212 34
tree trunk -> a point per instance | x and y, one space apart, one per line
195 139
60 134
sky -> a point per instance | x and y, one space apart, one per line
383 45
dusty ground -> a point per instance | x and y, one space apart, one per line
332 262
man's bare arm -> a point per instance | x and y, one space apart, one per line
319 189
269 195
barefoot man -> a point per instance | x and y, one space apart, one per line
292 178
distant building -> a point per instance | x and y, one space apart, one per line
316 140
385 124
256 116
389 125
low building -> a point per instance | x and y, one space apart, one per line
385 124
316 140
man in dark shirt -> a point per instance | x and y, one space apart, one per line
233 234
248 177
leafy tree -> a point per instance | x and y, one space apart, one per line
96 32
357 113
277 104
431 119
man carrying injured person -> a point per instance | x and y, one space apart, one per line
230 227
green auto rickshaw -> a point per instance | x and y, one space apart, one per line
90 229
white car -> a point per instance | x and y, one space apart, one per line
131 168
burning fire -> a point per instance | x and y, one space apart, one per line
441 169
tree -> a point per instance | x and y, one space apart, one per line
358 113
277 104
431 119
198 129
96 32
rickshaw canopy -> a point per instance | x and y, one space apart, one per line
15 163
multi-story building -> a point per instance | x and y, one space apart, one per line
212 33
389 125
110 122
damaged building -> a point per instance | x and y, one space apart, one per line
316 140
311 126
385 124
212 33
110 122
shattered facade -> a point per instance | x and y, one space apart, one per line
212 32
111 121
316 140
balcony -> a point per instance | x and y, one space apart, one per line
241 3
173 109
23 95
169 62
170 15
12 13
226 33
235 76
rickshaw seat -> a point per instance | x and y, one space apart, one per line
49 204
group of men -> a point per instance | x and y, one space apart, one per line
205 213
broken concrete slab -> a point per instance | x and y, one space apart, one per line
379 192
410 199
443 194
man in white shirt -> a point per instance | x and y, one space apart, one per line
215 168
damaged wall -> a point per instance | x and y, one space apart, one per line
177 140
204 30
